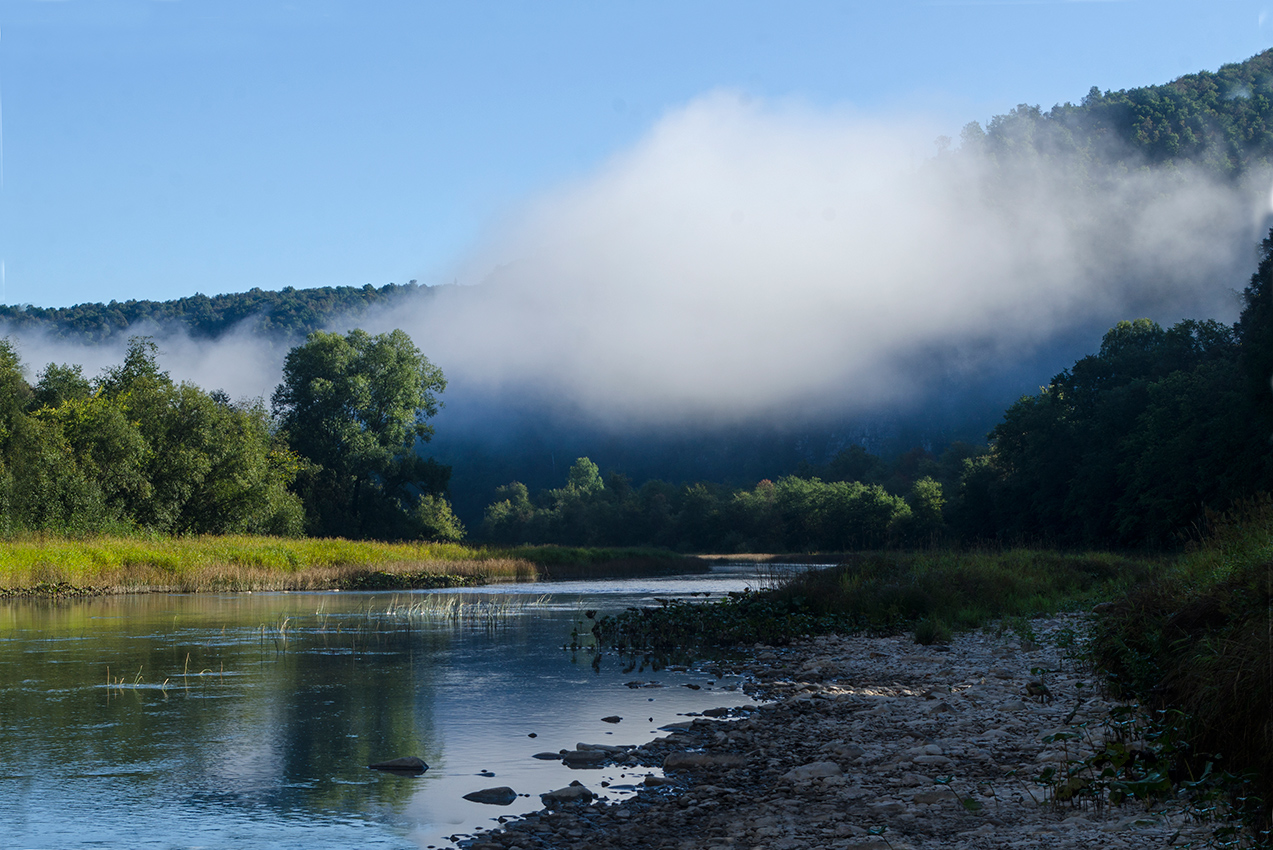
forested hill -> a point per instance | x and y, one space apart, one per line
1222 121
288 312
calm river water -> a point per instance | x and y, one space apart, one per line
248 720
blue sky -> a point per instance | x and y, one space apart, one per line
156 149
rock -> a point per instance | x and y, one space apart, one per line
690 761
569 794
547 756
608 749
406 764
932 761
928 796
614 718
584 758
900 719
501 796
813 770
845 751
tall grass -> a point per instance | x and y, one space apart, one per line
233 563
961 589
1198 641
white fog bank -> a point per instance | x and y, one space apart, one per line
747 258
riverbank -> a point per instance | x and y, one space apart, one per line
877 743
61 566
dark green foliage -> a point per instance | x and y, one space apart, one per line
354 408
1222 122
1126 448
59 384
379 580
135 451
289 312
795 514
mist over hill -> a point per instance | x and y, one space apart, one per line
757 284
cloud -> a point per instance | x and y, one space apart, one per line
750 258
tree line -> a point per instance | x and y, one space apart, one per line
289 313
132 450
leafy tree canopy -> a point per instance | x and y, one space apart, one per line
355 407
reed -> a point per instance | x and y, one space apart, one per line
487 612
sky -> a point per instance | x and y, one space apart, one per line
152 149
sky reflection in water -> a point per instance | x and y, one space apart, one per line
172 721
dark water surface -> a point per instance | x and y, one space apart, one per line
248 720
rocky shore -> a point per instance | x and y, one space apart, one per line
867 743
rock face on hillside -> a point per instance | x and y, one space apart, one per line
870 744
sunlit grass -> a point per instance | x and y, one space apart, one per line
236 563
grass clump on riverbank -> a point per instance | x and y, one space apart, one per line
932 592
64 566
1196 642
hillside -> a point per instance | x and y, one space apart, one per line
289 312
1219 121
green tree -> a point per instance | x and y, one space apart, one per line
355 408
60 383
584 478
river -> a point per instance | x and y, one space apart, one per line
248 720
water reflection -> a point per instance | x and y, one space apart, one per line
249 720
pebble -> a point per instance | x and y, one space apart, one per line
865 743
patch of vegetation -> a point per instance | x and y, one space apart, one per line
1144 757
423 580
886 591
1198 639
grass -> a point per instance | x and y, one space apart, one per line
932 592
1197 643
48 565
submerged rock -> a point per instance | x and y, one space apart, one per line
406 764
501 796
